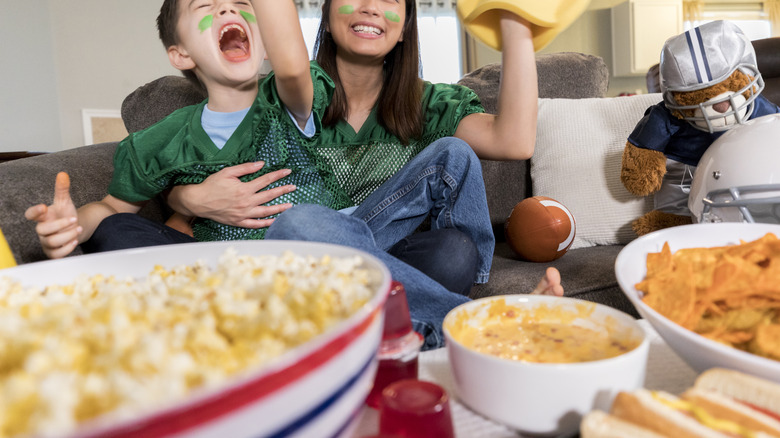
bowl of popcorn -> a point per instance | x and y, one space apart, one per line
711 291
539 363
228 339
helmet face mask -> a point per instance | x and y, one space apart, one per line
705 56
750 204
704 117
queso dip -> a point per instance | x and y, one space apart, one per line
542 334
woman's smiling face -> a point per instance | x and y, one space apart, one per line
367 28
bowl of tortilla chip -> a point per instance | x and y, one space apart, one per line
712 291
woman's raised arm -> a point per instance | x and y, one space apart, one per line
510 134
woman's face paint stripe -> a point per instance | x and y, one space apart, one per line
392 16
205 23
346 9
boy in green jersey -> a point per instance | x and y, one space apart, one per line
220 43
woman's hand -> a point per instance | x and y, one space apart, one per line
224 198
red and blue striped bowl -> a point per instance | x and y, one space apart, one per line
317 389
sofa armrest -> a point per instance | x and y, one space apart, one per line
563 75
29 181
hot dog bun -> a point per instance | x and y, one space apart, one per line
744 388
661 412
722 403
599 424
725 408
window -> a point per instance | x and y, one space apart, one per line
748 15
753 29
440 48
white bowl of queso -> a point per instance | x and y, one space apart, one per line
539 363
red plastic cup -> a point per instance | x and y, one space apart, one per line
415 409
400 345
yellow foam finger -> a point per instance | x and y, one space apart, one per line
481 18
6 256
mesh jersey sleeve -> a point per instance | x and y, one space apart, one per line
445 105
323 92
143 156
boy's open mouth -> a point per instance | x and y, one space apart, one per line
233 42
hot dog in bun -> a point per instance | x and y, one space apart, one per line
722 403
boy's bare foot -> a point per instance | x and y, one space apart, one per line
550 284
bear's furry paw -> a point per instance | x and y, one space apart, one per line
657 220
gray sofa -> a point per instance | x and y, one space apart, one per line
588 273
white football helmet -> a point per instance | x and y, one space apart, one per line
702 57
738 177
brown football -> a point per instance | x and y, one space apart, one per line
540 229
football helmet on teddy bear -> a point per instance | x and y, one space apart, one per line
710 83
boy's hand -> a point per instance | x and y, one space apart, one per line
57 227
224 198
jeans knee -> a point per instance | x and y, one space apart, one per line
454 146
453 150
300 213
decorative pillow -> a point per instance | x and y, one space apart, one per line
577 160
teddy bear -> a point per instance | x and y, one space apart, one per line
709 83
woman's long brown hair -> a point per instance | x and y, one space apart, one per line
399 106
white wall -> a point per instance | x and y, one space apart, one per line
591 33
29 113
103 50
59 57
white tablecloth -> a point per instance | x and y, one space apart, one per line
665 371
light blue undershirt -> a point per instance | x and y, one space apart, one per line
220 126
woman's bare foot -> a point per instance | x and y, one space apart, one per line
550 284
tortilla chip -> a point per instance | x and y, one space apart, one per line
672 294
730 294
767 341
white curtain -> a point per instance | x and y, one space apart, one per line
313 7
692 10
435 6
772 9
440 47
309 8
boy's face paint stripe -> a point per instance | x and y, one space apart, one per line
346 9
392 16
248 17
205 23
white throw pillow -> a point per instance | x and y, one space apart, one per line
579 147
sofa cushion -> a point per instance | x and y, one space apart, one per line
586 273
562 75
153 101
31 181
579 147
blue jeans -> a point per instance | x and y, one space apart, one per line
443 181
446 255
129 230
